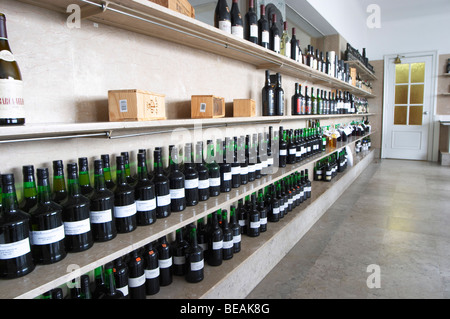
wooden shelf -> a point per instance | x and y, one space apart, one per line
31 132
145 17
362 69
46 277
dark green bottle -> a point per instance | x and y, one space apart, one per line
213 170
194 259
76 212
107 172
59 183
176 183
103 223
144 194
85 182
30 197
124 200
110 284
162 188
47 227
14 231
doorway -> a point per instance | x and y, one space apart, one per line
408 107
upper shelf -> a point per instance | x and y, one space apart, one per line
112 130
362 69
145 17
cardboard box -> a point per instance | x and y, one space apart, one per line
136 105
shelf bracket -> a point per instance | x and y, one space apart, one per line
90 11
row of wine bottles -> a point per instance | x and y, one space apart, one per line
312 103
363 145
266 33
50 223
218 238
327 168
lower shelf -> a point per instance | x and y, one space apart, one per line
237 277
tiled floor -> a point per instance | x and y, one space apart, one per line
395 216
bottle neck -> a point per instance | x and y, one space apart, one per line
73 186
121 177
9 199
44 192
99 180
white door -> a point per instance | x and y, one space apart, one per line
407 108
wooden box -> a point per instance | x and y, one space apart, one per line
207 106
135 105
181 6
353 75
244 108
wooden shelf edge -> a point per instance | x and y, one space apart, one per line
38 282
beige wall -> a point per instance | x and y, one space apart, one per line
68 72
443 102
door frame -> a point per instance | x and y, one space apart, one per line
433 134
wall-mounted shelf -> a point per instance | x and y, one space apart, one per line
445 94
362 69
112 130
151 19
46 277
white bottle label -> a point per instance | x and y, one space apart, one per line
203 184
251 168
235 170
136 282
244 170
217 245
146 205
152 273
292 151
15 249
7 56
265 37
237 238
227 176
238 31
124 211
124 290
214 181
179 260
165 263
254 30
225 26
78 227
287 52
276 211
197 265
100 217
228 244
255 224
263 221
163 200
283 152
45 237
191 183
177 193
11 99
276 44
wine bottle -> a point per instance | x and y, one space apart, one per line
127 169
228 245
241 215
99 283
15 249
308 184
191 177
194 259
263 212
85 184
242 158
202 236
59 183
214 254
296 101
76 211
124 200
121 277
275 35
448 66
75 290
253 220
165 262
136 276
103 223
151 270
12 109
225 166
268 97
47 227
251 154
222 16
176 183
235 166
237 26
213 170
279 97
111 291
319 102
283 148
203 174
263 29
162 188
308 102
235 229
313 102
274 213
294 54
144 194
84 287
178 250
30 197
285 48
251 23
107 172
